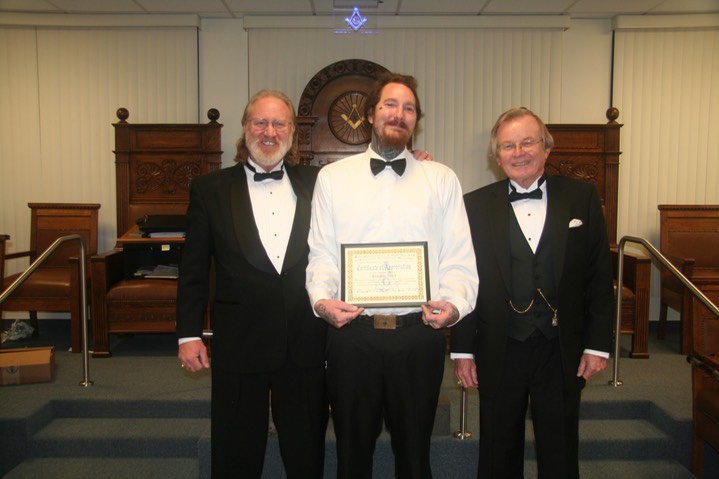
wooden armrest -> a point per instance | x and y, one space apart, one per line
708 363
19 254
684 265
7 256
74 262
637 270
106 269
712 361
678 260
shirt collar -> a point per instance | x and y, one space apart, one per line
520 189
404 154
259 167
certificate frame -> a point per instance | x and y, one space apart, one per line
379 275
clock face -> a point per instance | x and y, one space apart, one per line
346 118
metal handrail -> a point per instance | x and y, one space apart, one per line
83 295
620 273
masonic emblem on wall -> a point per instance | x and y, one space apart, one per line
346 118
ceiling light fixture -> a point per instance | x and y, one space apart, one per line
356 16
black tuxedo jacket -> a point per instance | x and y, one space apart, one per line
582 268
259 316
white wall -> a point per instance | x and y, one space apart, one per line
586 72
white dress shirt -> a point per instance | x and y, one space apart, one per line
531 213
351 205
273 205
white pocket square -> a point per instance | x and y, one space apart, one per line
575 223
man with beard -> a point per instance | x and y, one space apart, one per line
386 362
247 225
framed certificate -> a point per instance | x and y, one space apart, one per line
385 274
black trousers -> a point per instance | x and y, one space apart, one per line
532 377
240 416
393 375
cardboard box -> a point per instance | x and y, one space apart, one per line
26 365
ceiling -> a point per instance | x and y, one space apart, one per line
242 8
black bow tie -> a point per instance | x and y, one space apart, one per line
535 194
378 165
272 175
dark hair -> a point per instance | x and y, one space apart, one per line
382 81
293 155
513 114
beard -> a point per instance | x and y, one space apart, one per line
392 139
267 159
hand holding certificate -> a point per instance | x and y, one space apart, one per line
385 274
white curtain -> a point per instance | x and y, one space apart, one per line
666 88
59 91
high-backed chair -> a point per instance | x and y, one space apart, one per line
154 166
55 285
704 353
689 238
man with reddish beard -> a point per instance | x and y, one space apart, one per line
385 361
247 226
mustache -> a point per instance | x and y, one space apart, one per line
398 124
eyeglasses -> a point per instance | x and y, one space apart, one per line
262 124
524 145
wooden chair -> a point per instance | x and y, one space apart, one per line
154 165
55 285
704 356
689 238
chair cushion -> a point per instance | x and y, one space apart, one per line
42 283
160 290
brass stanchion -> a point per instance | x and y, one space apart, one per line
86 381
463 434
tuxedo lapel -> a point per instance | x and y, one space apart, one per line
557 224
244 222
297 245
500 215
